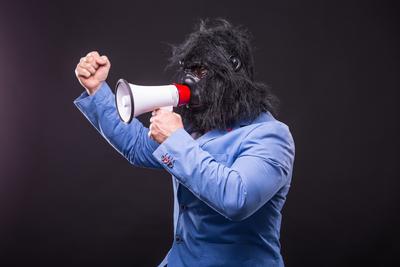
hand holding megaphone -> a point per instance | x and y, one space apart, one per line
92 70
163 123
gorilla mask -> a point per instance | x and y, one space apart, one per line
216 62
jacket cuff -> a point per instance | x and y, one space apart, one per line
171 149
102 93
87 104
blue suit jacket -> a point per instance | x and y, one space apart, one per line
229 186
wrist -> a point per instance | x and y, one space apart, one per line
174 131
92 91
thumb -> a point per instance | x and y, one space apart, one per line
103 60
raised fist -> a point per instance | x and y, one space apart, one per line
92 70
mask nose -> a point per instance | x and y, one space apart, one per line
190 79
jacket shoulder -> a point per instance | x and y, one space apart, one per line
266 125
270 140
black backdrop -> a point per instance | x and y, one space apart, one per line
68 199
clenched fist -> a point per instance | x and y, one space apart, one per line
92 70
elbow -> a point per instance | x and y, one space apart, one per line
237 213
235 202
131 156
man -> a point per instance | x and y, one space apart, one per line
231 161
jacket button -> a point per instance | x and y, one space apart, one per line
178 239
183 207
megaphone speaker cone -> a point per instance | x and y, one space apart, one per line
124 101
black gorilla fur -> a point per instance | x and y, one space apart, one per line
228 95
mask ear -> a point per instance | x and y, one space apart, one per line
236 64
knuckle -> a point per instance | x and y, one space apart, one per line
91 53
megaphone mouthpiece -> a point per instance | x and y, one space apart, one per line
184 94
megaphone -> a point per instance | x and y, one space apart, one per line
133 100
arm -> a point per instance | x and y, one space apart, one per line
98 105
263 166
130 140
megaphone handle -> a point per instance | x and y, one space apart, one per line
168 108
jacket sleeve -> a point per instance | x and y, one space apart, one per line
130 140
263 165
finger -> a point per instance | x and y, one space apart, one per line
82 72
154 129
91 60
150 133
156 112
152 119
162 111
94 54
88 67
177 114
103 60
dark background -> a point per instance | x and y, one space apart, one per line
68 199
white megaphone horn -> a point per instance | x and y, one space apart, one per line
133 100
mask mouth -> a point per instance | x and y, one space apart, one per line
191 80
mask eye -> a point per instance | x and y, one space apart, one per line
236 64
